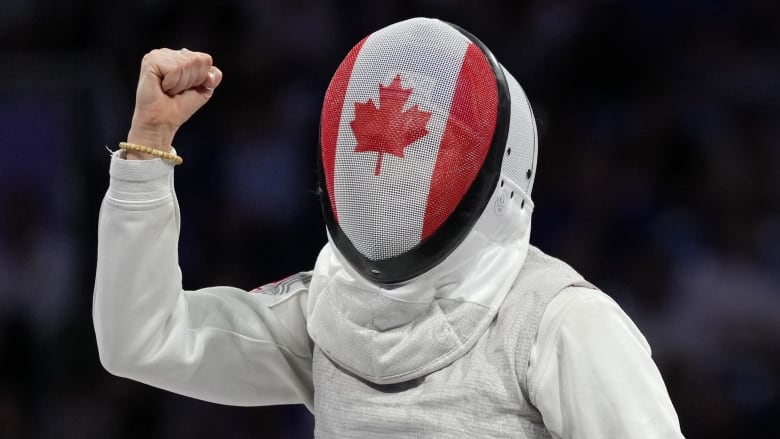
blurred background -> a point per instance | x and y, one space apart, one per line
658 180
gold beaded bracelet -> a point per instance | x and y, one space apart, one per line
176 159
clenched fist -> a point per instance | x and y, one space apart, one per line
172 86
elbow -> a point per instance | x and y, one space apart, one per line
117 354
112 359
121 362
120 349
127 354
130 339
110 364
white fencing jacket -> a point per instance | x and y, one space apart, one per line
589 373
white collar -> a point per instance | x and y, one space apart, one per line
382 332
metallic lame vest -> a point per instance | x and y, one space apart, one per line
483 394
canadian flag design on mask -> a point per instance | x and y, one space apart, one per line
388 128
406 126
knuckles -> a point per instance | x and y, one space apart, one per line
181 58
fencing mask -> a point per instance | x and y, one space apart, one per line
422 132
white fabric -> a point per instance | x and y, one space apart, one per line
479 273
228 346
216 344
591 374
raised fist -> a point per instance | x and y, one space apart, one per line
172 86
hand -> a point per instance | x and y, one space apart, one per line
172 86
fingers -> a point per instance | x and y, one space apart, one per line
179 70
174 84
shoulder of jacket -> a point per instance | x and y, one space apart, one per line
541 279
276 292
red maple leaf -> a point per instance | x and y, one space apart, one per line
387 128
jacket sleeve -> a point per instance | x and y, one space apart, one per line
591 374
218 344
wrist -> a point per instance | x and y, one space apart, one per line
156 140
141 152
152 136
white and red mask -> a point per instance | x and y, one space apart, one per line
421 128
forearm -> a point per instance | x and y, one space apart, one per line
137 273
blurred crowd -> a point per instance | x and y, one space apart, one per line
658 179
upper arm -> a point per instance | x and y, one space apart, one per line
235 347
592 374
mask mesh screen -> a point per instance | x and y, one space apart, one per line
407 122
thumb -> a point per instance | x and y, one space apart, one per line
213 78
